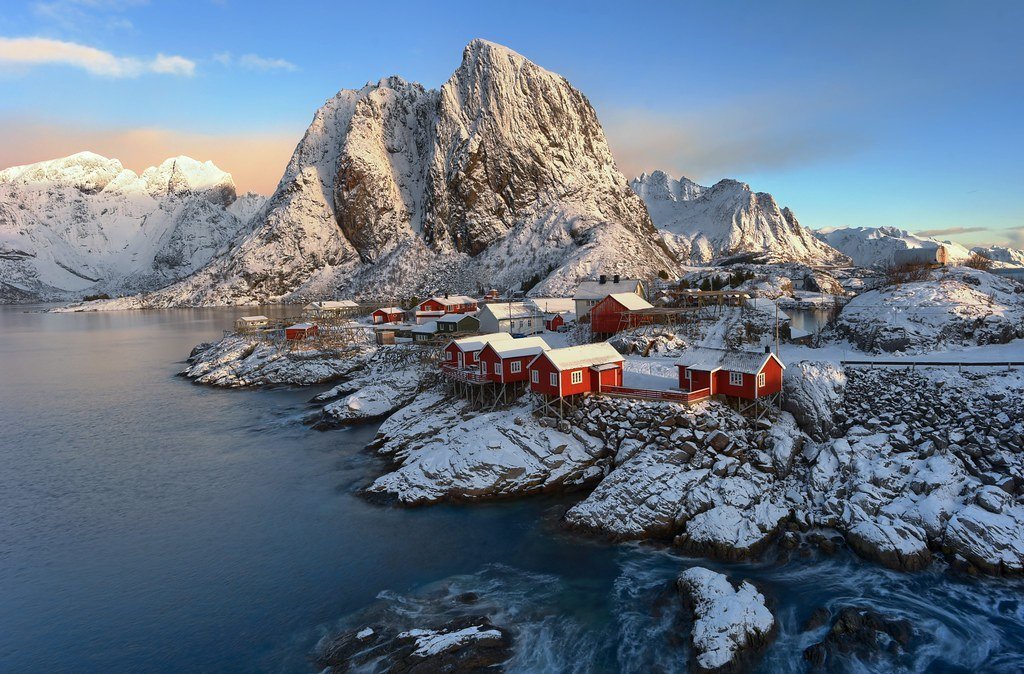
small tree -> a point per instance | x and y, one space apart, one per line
976 261
663 275
705 285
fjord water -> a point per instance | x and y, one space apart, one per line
148 524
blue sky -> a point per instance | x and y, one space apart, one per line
905 114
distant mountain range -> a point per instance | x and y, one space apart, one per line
500 178
86 225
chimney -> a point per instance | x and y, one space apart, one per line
767 348
615 279
602 279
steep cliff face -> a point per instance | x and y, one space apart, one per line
704 223
501 176
84 225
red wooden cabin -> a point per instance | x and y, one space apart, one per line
388 315
741 374
612 313
553 321
508 361
301 331
462 353
576 369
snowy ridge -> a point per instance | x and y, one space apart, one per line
870 246
701 224
502 175
84 224
1010 257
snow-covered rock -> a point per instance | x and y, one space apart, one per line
238 361
813 393
501 176
704 223
85 225
729 622
443 451
373 395
876 246
953 306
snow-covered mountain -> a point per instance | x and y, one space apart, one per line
868 246
85 225
1010 257
701 224
501 176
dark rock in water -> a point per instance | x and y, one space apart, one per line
199 348
818 618
466 645
859 632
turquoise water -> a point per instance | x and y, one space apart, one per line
148 524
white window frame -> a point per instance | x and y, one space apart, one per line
576 377
451 355
688 374
497 369
535 376
515 367
761 380
735 379
483 367
554 379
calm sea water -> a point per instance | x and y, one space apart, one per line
148 524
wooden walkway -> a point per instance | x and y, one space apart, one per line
685 397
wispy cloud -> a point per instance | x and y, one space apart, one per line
256 160
255 62
1015 237
950 231
28 52
753 133
84 17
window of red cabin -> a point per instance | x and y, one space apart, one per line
451 356
554 379
761 380
515 367
535 376
483 366
497 368
577 377
735 379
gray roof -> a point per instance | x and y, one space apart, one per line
595 290
707 359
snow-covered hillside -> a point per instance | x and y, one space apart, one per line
869 246
703 223
85 225
500 176
1010 257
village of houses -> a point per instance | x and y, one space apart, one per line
494 350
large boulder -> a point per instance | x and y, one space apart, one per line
813 393
993 542
730 623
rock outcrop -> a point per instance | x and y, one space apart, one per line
730 624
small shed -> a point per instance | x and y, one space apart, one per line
451 324
507 361
576 369
246 323
301 331
552 322
388 315
611 314
384 337
741 374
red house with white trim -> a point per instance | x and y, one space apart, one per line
553 321
610 314
435 307
576 369
301 331
741 374
463 353
388 315
507 361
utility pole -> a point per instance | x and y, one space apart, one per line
776 327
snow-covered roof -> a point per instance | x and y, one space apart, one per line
333 304
478 342
453 299
524 346
301 326
708 359
585 355
454 318
553 305
595 290
428 328
254 319
631 301
391 310
506 310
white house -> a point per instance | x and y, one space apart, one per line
590 293
517 318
